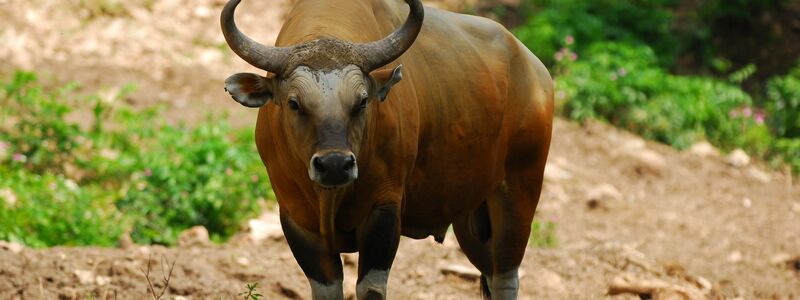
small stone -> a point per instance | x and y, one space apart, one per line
704 149
462 271
747 203
735 257
759 175
202 12
634 144
780 258
11 246
703 283
553 172
243 261
551 281
102 280
652 160
796 207
194 236
603 196
646 161
84 277
267 226
738 158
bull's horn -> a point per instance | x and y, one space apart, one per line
382 52
271 59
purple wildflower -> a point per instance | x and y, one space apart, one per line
759 117
19 157
747 111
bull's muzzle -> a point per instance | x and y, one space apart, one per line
333 169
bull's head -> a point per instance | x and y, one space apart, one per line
322 88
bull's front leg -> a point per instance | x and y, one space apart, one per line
378 238
322 268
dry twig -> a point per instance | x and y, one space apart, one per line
166 275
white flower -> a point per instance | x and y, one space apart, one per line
109 154
8 196
71 185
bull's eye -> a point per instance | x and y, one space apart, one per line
361 105
294 105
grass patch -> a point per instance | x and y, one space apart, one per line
126 171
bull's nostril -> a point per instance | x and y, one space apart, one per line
318 165
349 163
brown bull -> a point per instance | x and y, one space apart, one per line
358 158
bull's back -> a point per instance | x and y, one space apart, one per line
482 99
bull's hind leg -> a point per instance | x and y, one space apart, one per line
495 235
473 232
510 215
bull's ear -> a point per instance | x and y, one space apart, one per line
249 89
385 79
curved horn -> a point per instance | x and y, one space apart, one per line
271 59
382 52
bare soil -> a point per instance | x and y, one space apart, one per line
622 205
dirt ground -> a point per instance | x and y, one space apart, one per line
624 207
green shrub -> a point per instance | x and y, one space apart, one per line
543 234
45 210
623 84
788 151
33 125
784 104
589 21
126 171
181 182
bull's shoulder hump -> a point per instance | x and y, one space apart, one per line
475 27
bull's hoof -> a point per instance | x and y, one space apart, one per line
374 295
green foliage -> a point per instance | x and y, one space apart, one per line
784 104
251 293
207 183
543 234
130 171
788 151
589 21
623 84
43 210
611 60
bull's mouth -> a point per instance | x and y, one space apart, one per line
330 187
